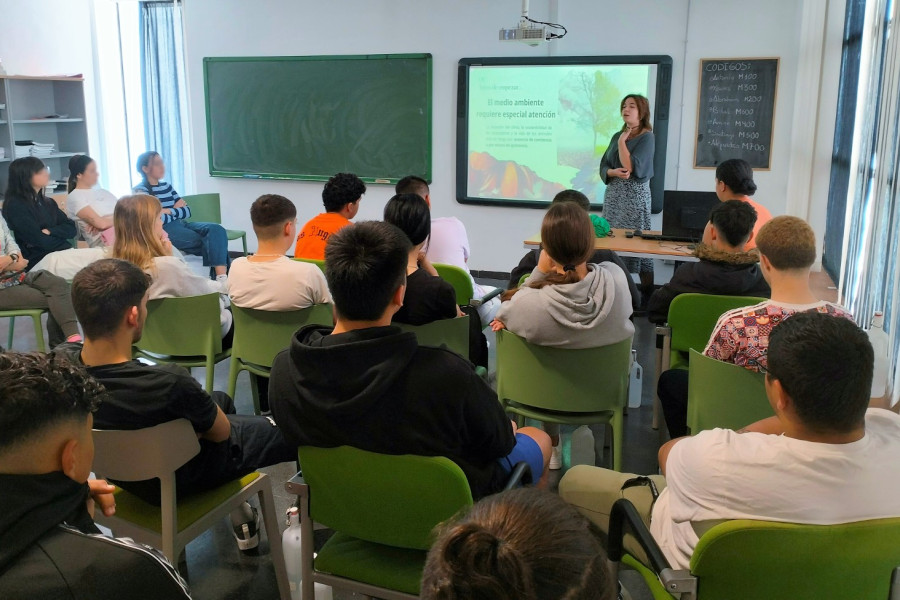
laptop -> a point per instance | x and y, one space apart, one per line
685 215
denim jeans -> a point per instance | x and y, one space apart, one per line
208 240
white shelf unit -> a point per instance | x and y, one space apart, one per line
27 100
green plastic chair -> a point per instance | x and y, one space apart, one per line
724 395
451 333
186 332
313 261
207 208
750 560
555 385
383 510
259 335
462 284
157 452
35 315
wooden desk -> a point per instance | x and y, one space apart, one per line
634 247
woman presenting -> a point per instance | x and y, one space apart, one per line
626 169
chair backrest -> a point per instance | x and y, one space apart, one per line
724 395
259 335
395 500
313 261
744 560
693 317
140 454
586 380
205 208
460 280
452 333
188 326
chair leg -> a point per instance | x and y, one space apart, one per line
254 392
234 370
273 532
12 330
616 446
210 373
244 242
39 333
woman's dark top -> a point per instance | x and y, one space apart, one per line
428 298
641 147
26 218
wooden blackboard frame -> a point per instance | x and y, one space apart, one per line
774 105
303 177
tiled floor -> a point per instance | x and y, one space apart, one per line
218 570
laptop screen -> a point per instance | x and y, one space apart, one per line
685 214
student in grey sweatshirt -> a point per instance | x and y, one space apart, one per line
566 302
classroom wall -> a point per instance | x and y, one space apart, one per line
51 37
687 30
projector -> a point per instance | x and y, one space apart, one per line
529 34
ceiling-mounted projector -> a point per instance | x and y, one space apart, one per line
531 32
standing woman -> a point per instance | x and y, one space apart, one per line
90 207
37 222
208 240
626 169
734 181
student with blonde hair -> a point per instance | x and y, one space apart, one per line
140 239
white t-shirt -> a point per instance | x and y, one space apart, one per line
173 278
279 285
720 474
103 203
449 245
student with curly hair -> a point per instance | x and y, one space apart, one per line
341 196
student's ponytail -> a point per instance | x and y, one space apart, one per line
77 166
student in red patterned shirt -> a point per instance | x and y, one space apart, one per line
787 248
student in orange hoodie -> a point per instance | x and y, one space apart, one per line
341 197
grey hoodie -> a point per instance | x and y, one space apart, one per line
590 313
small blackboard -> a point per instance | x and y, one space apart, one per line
736 111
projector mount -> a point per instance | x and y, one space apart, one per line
532 32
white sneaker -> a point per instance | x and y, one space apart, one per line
555 459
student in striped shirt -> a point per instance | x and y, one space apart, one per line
208 240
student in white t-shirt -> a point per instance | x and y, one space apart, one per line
90 207
448 244
825 458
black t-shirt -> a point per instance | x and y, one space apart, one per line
143 395
428 298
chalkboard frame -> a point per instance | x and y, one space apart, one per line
777 60
663 95
324 57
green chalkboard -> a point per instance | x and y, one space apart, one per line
309 117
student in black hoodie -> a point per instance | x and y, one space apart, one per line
49 545
369 385
725 268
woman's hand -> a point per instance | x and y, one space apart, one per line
624 137
102 496
497 325
45 231
180 204
19 265
620 173
459 312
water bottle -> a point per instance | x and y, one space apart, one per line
879 340
582 450
635 384
291 543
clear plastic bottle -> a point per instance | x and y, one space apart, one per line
582 450
291 546
880 344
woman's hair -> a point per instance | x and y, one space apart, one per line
737 174
77 166
643 106
144 160
21 171
567 235
133 221
409 213
524 544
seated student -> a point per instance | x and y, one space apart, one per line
49 544
734 181
269 280
36 289
37 222
110 298
369 385
823 459
90 207
341 196
787 248
140 239
208 240
428 297
530 260
448 244
725 267
566 302
524 544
